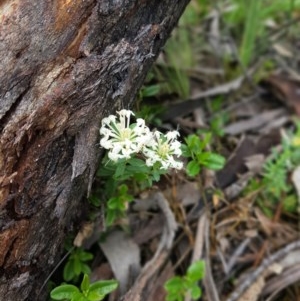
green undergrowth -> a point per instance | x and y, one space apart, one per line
86 292
275 186
178 287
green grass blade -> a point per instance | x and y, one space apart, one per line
252 26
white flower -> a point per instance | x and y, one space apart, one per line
162 148
122 139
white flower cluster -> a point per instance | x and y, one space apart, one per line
162 148
123 139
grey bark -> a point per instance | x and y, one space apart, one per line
64 65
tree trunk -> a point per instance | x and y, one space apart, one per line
65 64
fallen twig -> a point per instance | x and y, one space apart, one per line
264 265
209 283
135 293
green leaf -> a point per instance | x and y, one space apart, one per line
68 273
185 151
195 292
152 90
136 165
110 186
120 169
110 216
196 271
290 203
106 169
253 22
85 269
156 177
123 189
78 296
141 177
205 140
174 285
193 168
217 125
214 161
85 256
101 288
85 284
64 291
94 296
113 203
194 144
77 266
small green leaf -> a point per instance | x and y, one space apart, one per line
85 256
137 169
120 169
64 291
141 177
150 90
94 296
290 203
196 271
185 151
106 170
85 284
111 216
113 203
156 176
68 273
214 161
123 189
85 269
205 140
193 168
194 144
77 266
102 288
177 287
195 292
136 162
174 284
78 296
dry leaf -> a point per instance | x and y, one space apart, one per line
123 255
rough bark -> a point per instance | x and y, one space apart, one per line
64 65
